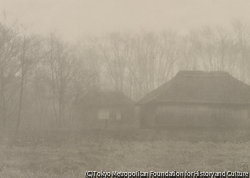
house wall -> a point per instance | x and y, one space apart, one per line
148 116
171 115
105 117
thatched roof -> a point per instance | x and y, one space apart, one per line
105 99
201 87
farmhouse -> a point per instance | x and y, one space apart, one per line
197 99
112 108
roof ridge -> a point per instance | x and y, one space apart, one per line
202 73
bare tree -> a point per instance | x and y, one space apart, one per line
8 69
29 56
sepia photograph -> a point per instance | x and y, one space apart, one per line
124 88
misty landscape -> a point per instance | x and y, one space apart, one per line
127 97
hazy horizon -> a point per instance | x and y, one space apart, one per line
79 18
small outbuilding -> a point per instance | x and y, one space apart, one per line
109 108
197 99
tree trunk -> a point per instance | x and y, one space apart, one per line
20 105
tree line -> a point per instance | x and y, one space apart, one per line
43 77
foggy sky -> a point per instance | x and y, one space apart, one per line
77 18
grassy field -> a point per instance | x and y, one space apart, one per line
70 154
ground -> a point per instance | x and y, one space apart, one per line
68 154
